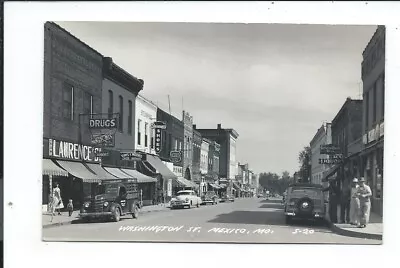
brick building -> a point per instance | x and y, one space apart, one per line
197 140
318 168
226 138
72 86
373 77
346 130
187 120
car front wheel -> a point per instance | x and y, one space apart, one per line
135 212
116 215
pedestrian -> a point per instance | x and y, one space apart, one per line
364 193
70 207
58 203
354 203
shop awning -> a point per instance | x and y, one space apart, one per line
214 186
330 172
159 166
141 178
101 173
186 183
117 173
78 170
51 169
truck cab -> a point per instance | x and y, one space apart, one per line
112 199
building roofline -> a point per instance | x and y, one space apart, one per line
344 106
147 100
117 74
73 36
318 134
377 31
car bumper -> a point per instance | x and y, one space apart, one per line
314 215
94 214
174 205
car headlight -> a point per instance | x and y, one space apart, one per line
187 199
105 204
87 204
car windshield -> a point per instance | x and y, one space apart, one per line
184 193
313 192
108 189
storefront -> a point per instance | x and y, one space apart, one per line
64 164
236 188
153 166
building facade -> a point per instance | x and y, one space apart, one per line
373 77
172 140
318 167
72 87
204 163
196 159
119 91
187 120
226 138
145 116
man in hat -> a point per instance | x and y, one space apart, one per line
354 203
364 193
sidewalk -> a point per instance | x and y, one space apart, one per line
374 229
64 219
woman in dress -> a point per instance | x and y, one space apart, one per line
57 203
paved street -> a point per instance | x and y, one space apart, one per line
245 220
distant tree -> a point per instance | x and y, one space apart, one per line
304 161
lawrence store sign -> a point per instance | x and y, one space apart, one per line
71 151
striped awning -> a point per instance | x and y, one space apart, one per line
78 170
141 178
51 169
118 173
101 172
214 186
186 183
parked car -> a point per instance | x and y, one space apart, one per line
260 195
231 198
210 198
185 198
305 201
112 199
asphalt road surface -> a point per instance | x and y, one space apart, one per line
249 220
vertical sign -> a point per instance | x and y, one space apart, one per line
158 140
169 188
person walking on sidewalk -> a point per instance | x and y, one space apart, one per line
354 203
364 193
57 199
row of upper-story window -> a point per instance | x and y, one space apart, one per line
120 111
149 134
69 102
374 102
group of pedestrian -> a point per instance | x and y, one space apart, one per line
360 203
57 202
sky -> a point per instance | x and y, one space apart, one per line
275 84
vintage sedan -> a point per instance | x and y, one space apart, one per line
304 201
185 198
210 198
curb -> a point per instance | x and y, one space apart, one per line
344 232
58 224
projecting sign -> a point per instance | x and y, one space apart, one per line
130 156
158 140
330 161
103 123
175 156
329 149
159 125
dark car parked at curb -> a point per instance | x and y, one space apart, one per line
112 199
304 201
210 198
